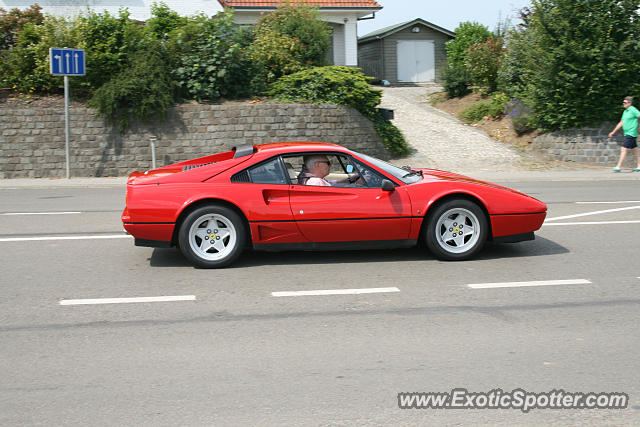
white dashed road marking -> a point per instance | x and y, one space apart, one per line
335 292
127 300
523 284
591 213
591 223
87 237
605 203
40 213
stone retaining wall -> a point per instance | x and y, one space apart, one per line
586 145
32 141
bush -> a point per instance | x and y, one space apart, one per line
109 41
494 107
164 20
144 90
26 63
210 58
483 60
289 40
342 86
391 136
332 84
521 116
12 22
457 81
497 104
475 112
512 72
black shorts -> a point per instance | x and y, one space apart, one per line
629 141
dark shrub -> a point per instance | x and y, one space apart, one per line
144 90
457 81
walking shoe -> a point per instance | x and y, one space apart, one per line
636 170
616 169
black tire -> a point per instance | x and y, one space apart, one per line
212 223
456 230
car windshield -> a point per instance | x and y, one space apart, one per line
406 176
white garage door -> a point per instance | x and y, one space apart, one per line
416 61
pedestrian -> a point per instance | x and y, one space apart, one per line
629 125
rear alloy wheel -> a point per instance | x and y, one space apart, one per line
212 236
456 230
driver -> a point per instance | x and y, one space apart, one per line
315 169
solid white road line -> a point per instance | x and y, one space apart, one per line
523 284
39 213
605 203
87 237
592 213
126 300
591 223
335 292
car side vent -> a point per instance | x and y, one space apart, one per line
241 177
187 167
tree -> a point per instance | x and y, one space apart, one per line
467 34
289 40
459 76
572 61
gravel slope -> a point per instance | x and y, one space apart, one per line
441 141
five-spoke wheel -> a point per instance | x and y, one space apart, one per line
456 230
212 236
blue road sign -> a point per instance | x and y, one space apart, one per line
66 62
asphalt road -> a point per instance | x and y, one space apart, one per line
236 355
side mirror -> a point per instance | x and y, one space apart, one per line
388 185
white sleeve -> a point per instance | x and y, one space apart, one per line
317 181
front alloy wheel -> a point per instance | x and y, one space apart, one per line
212 236
456 230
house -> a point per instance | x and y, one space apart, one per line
139 10
410 52
341 15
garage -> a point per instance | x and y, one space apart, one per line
407 53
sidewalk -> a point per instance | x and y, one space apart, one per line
601 174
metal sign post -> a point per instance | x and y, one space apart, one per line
66 62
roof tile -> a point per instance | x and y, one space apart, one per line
316 3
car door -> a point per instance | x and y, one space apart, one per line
265 201
350 212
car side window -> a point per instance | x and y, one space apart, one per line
268 173
371 178
343 171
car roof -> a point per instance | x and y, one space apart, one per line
293 146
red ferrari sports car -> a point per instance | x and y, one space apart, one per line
310 195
